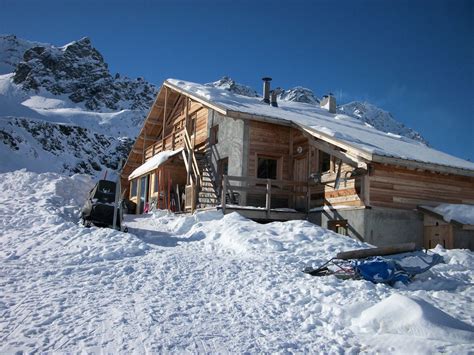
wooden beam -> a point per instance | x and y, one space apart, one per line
346 158
164 117
365 189
136 151
175 107
145 138
153 121
188 177
143 157
351 150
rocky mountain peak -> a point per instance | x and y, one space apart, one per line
79 71
379 119
298 94
229 84
11 52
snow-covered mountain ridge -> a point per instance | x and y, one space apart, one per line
79 71
90 116
363 111
379 119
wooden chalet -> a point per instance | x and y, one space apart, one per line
205 147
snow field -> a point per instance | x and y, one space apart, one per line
203 283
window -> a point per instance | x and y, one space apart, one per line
133 188
324 161
267 168
155 185
214 135
338 226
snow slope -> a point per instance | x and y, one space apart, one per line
203 283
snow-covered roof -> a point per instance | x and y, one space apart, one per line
339 128
463 214
153 163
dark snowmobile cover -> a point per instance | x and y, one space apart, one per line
99 207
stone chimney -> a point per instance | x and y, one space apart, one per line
274 98
328 102
266 89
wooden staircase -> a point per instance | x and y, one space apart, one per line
208 193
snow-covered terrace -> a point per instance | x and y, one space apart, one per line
339 129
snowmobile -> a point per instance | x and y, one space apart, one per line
99 207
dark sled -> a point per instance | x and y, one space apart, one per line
99 207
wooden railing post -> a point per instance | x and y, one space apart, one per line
308 197
224 193
269 197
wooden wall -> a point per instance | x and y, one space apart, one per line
202 132
174 130
269 140
297 160
398 187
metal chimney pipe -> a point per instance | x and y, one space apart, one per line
274 98
266 89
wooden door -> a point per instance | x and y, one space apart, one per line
442 234
300 173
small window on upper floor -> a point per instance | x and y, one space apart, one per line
214 135
324 162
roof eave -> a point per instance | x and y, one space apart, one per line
205 102
422 165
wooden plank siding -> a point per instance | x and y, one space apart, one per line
294 152
402 188
175 129
269 140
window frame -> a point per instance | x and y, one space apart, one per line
330 162
278 160
133 186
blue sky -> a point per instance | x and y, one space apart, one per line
412 58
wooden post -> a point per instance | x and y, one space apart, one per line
144 143
291 172
224 193
188 177
169 190
365 189
186 122
269 197
164 120
308 189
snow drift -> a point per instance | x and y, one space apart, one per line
203 283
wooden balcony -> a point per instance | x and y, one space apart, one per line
266 199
